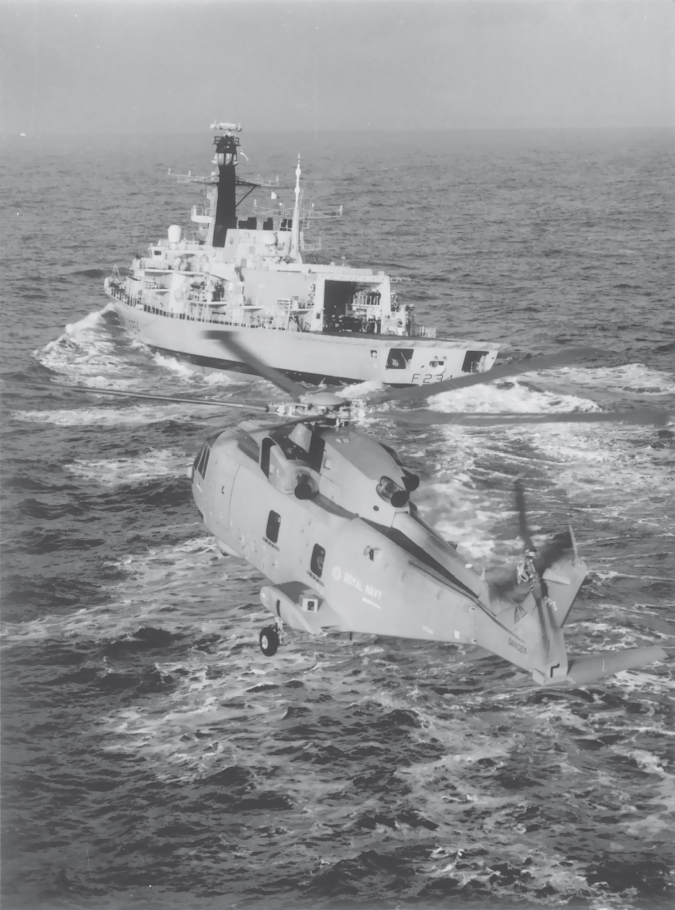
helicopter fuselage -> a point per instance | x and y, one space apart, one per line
324 513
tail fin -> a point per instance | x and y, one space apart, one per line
528 609
563 579
533 612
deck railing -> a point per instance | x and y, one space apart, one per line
284 322
424 331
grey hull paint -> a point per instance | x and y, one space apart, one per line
333 358
233 366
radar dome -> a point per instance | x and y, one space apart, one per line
175 233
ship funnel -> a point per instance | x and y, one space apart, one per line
226 202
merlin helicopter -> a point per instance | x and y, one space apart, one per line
324 512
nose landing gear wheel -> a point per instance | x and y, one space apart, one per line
269 641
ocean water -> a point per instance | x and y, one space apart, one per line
152 756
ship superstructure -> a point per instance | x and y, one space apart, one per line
313 321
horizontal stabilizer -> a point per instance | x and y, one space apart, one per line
605 663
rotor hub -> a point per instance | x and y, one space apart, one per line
324 400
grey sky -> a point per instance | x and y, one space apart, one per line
156 65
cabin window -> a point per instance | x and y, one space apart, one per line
273 525
202 460
318 557
399 358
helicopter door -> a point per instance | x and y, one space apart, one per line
223 495
249 510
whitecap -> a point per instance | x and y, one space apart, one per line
630 378
517 397
85 350
360 390
114 472
174 364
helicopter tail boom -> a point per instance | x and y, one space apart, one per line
536 642
527 611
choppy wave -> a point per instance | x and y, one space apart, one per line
632 379
86 350
512 395
177 567
147 740
360 390
113 472
180 367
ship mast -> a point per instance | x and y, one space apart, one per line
226 199
295 229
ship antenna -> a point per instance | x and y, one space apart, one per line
295 230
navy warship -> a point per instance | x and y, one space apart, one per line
314 322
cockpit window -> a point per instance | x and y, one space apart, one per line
203 459
248 445
318 557
273 525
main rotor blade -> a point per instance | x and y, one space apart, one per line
229 341
427 418
293 421
521 508
544 362
86 390
552 550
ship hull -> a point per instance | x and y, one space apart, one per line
306 356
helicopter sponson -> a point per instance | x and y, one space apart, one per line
324 512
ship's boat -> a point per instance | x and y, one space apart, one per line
313 321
